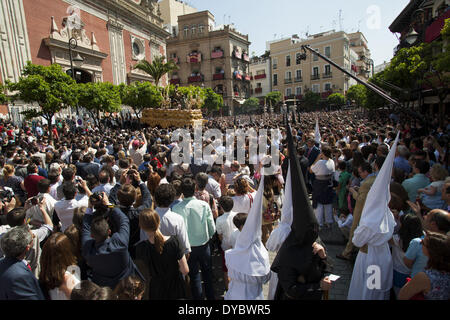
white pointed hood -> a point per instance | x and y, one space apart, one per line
376 214
317 136
280 233
249 256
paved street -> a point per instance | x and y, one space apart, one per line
334 242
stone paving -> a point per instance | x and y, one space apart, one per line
334 242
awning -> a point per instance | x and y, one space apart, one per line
434 30
240 101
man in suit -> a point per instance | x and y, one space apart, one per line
311 152
107 254
88 166
360 195
17 282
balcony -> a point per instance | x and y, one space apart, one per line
325 94
194 58
327 75
258 90
237 54
217 54
315 76
247 77
299 97
198 78
175 81
238 76
286 81
260 76
175 60
245 57
236 94
298 79
218 76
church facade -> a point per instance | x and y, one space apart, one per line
107 38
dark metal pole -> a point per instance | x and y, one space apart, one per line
366 84
75 44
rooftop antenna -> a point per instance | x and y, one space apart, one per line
334 23
359 25
341 20
224 16
307 31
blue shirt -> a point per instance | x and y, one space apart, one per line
403 164
415 183
415 253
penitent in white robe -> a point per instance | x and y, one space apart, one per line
378 254
245 287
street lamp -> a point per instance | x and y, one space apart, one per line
412 37
72 45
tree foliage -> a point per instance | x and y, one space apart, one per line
336 99
358 94
311 99
3 97
98 97
157 68
140 95
251 105
273 98
213 101
48 86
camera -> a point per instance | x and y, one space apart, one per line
6 194
36 200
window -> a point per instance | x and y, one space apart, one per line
316 57
327 87
316 88
298 74
258 84
201 28
275 63
288 92
327 69
315 71
328 52
298 91
186 31
298 60
275 79
288 61
288 75
193 28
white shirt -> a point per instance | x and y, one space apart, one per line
64 209
213 187
171 224
35 213
344 223
137 155
53 189
225 227
242 203
323 167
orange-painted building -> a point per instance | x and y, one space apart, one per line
111 37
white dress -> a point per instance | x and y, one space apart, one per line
373 272
74 279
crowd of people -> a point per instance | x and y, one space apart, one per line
102 212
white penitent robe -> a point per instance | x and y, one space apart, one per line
372 276
245 287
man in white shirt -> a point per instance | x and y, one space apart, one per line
137 151
213 186
171 223
34 213
225 228
64 208
344 223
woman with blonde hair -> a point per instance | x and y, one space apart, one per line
161 260
59 271
14 182
431 195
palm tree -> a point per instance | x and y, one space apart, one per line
157 69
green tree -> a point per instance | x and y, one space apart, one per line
213 101
3 97
157 68
358 94
49 86
336 99
251 105
98 97
311 99
373 100
140 95
273 98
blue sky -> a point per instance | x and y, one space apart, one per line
257 18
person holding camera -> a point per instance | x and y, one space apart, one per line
106 252
126 196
